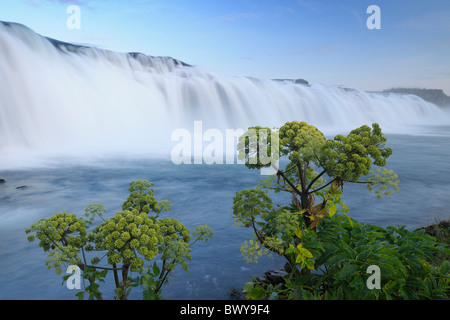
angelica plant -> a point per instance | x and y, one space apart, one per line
314 176
316 163
123 243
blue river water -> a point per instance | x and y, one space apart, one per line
200 194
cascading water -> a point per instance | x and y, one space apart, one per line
60 98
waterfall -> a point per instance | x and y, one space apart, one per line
58 97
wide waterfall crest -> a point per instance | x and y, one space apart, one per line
57 97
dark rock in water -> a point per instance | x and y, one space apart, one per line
436 229
274 277
288 267
21 187
2 180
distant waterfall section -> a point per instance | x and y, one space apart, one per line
57 97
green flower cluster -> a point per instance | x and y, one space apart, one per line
142 198
61 255
126 235
202 233
251 250
301 139
175 248
383 182
258 147
130 237
63 235
248 204
59 231
172 230
350 158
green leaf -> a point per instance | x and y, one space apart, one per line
148 281
347 272
256 293
134 282
185 266
357 282
148 294
155 269
273 295
103 273
332 210
394 286
407 293
65 278
335 259
445 268
118 292
314 244
80 295
362 256
93 286
414 282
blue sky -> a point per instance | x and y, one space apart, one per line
323 41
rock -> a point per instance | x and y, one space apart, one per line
275 277
436 96
296 81
301 81
435 229
288 267
21 187
2 180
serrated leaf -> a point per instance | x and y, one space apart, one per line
80 295
336 259
332 210
357 282
414 282
134 282
273 296
314 244
155 269
148 294
444 268
362 256
148 281
255 294
347 272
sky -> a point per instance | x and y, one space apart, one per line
325 41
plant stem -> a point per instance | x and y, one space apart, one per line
281 173
315 179
116 276
324 186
